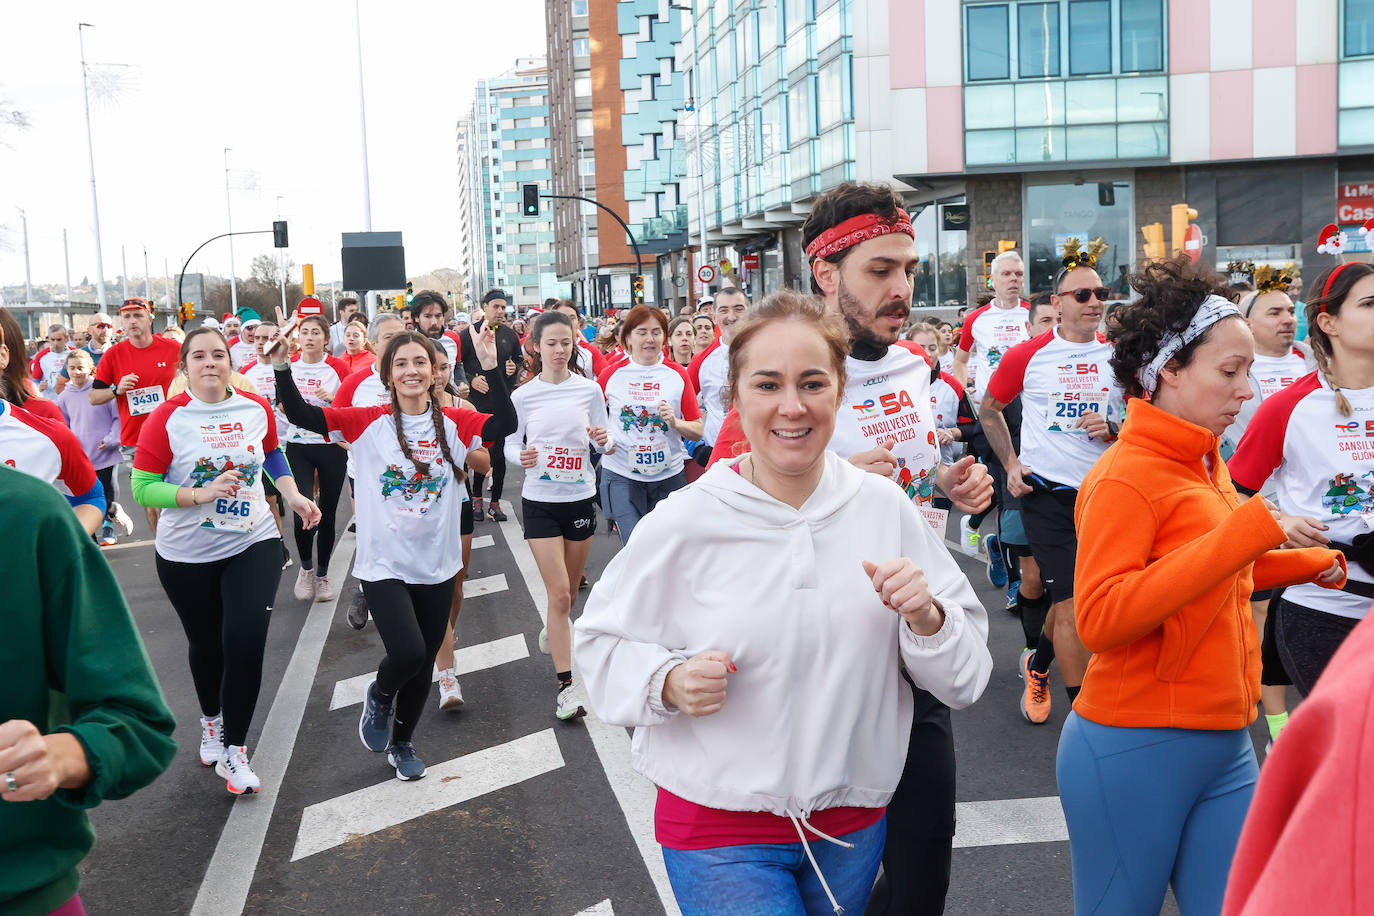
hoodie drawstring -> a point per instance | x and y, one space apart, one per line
798 822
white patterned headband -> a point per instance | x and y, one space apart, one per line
1212 310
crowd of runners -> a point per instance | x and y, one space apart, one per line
1177 498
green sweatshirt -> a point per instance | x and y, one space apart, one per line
72 661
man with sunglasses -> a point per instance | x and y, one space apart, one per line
100 329
1070 409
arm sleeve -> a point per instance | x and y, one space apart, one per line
690 408
152 490
966 333
1121 594
516 440
306 416
1282 568
274 464
111 436
97 661
596 415
95 496
1260 450
730 443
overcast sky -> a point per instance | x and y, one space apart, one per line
277 82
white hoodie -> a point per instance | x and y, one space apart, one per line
817 716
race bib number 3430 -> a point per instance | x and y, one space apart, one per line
144 400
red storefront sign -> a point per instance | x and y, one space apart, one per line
1354 202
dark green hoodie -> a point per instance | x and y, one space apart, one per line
72 661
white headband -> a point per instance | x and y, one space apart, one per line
1212 310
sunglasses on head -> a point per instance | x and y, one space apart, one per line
1083 295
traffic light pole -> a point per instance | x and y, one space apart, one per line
182 276
639 263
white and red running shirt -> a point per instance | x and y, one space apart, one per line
155 365
363 388
1059 381
408 522
709 372
241 353
1268 376
554 419
189 443
265 381
1323 465
989 332
890 398
44 449
312 380
452 345
646 448
47 366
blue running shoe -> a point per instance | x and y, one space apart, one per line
997 569
401 755
1013 595
375 725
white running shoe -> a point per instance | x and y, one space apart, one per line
450 694
305 585
122 519
238 775
568 706
544 640
211 740
323 591
968 538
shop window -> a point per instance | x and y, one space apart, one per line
1142 36
986 33
1054 212
1037 39
1359 28
1090 37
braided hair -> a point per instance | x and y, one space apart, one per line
1321 300
436 411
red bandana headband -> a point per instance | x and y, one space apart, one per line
858 229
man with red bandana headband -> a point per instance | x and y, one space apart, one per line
862 251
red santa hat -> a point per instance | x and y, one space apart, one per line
1331 241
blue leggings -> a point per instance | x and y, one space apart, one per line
1150 807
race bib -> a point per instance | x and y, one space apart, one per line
936 519
1064 409
560 464
235 514
144 400
647 458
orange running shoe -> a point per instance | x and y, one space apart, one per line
1035 699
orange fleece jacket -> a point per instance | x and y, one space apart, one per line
1167 558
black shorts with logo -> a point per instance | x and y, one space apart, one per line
1047 514
575 521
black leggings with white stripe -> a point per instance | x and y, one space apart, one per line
411 620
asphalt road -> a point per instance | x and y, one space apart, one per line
520 813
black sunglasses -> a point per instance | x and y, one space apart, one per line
1083 295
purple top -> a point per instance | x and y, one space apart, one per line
92 424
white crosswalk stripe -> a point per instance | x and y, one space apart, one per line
466 660
1007 821
487 585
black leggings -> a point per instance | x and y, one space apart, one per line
109 480
1307 639
331 463
411 620
223 606
498 471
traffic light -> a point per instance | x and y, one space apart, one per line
1186 237
1005 245
1154 241
279 234
410 292
988 257
400 302
529 200
188 311
637 289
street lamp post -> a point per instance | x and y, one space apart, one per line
90 154
67 266
28 283
695 99
229 208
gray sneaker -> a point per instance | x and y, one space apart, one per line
401 755
357 610
375 725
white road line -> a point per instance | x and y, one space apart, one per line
125 545
466 660
487 585
483 540
357 814
635 794
1008 821
229 876
601 909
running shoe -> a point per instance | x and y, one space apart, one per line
305 585
544 640
583 584
107 535
568 707
450 694
211 740
352 527
1021 665
357 610
494 511
323 590
968 538
374 727
122 520
401 755
238 775
477 512
1035 699
997 567
286 560
1013 595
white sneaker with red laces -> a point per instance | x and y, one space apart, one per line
238 775
450 694
211 740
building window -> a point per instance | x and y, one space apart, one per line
1142 36
579 7
986 30
1054 212
581 47
1037 39
1090 37
1359 28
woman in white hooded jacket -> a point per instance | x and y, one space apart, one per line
805 586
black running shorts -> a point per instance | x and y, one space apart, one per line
1048 519
575 521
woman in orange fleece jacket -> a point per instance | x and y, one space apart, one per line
1155 765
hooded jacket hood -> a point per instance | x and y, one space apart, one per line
839 484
